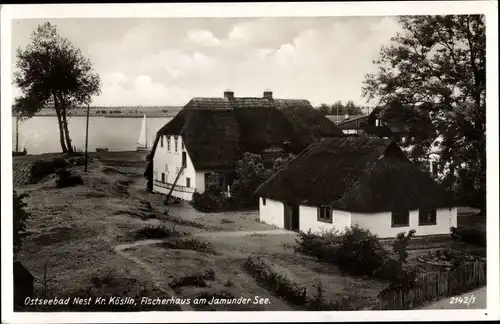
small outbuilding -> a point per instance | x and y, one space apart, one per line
343 181
23 283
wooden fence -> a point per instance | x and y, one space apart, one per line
436 284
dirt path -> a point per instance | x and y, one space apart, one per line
121 249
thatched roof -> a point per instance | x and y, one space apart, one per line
216 131
355 174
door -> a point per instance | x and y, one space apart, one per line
295 218
291 217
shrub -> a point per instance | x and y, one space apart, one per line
319 303
360 252
197 280
212 199
188 244
276 280
356 251
468 235
42 168
66 179
400 245
323 245
155 232
20 215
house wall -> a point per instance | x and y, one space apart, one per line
308 220
169 162
381 223
272 212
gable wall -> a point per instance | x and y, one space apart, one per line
169 162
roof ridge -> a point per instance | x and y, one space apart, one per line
286 165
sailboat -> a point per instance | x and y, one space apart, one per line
143 138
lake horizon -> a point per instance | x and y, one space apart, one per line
40 134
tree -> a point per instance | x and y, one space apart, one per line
437 66
352 109
52 72
324 109
338 108
250 174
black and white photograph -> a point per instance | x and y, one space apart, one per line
253 162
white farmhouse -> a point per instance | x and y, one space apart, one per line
339 182
211 134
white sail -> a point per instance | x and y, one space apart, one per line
143 141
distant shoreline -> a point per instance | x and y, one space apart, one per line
151 115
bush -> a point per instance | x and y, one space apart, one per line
42 168
319 303
155 232
468 235
20 215
323 245
209 202
356 251
66 179
276 280
188 244
398 275
197 280
360 252
400 245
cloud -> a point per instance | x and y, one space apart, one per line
202 37
169 61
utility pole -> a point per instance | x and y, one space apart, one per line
17 132
87 139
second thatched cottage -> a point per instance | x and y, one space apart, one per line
339 182
211 134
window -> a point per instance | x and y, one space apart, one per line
325 214
427 217
175 143
263 201
168 143
188 182
400 218
184 159
162 177
161 141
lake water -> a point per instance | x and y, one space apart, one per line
41 134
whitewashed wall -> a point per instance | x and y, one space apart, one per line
272 213
381 223
308 220
169 162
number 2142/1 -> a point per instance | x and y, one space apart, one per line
463 300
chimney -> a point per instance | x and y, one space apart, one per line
228 94
268 94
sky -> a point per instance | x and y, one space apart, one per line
168 61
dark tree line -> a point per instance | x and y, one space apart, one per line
338 108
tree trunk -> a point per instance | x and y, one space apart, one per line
65 124
60 124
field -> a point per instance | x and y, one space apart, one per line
83 240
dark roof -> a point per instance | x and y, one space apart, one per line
216 131
352 122
355 174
